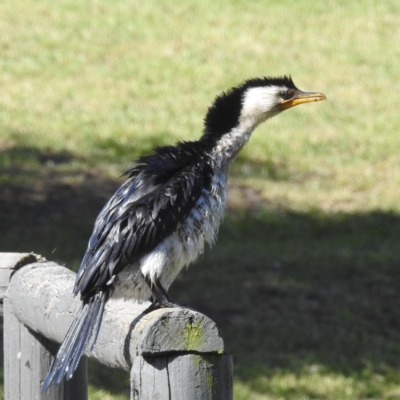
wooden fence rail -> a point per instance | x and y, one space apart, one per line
172 354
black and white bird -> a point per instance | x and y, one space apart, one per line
171 204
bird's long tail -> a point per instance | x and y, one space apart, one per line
85 328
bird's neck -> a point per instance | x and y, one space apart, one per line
226 139
226 147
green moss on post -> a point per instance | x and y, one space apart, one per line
210 380
193 335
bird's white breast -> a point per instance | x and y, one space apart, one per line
179 249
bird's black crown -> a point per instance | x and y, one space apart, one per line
223 115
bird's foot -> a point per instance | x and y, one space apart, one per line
156 305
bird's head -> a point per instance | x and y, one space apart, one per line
253 102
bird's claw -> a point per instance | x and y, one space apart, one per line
156 305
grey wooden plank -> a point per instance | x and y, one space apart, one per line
180 330
200 377
27 359
149 380
41 296
9 263
182 377
11 354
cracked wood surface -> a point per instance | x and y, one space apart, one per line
41 297
182 377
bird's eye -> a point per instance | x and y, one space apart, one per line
283 94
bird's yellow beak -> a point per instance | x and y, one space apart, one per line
301 98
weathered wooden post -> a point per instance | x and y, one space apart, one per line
174 354
27 355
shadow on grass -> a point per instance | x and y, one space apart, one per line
287 289
49 202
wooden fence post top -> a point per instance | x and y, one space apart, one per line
41 298
11 262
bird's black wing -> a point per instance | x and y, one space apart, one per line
147 208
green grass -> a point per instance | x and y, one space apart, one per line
304 280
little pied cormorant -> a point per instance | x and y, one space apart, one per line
170 205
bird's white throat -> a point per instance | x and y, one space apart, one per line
259 104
